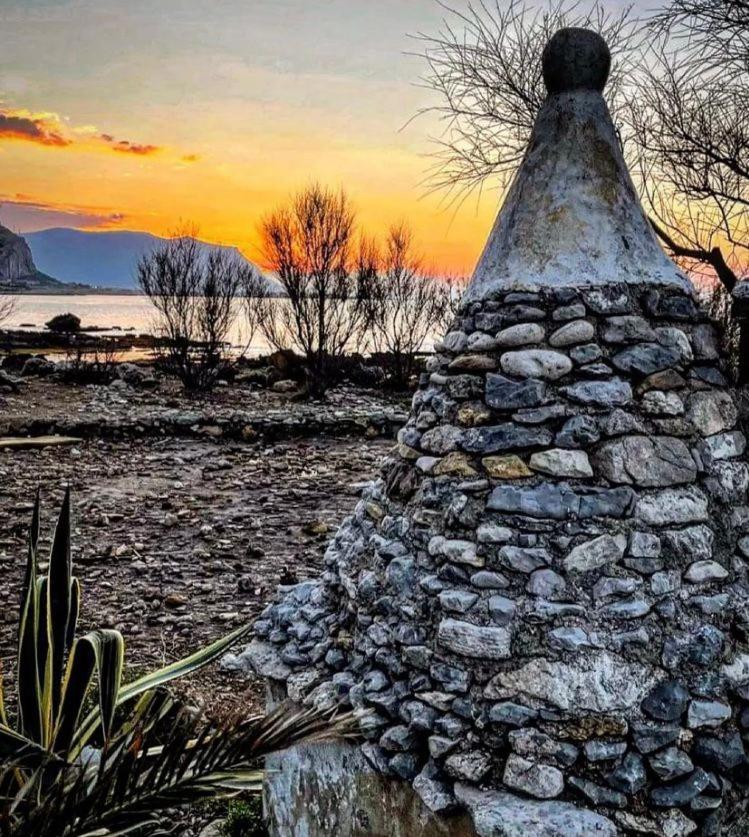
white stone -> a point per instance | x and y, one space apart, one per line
726 445
493 533
536 363
712 411
460 552
474 641
656 402
702 571
560 462
598 681
523 334
578 331
672 505
540 780
596 553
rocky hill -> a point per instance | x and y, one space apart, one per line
18 273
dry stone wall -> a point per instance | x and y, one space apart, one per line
545 594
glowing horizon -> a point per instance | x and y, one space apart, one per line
118 117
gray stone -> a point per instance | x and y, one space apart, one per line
578 432
676 339
588 353
559 462
493 533
705 342
690 542
512 714
666 702
500 814
457 551
618 422
646 358
501 609
457 601
597 682
522 334
672 506
711 411
671 763
723 446
547 584
627 329
442 439
632 608
478 341
505 394
649 737
613 393
644 545
541 414
568 312
523 559
469 640
659 403
261 657
598 795
507 436
629 777
536 363
489 580
455 341
596 553
578 331
602 750
707 713
647 461
399 739
705 571
451 678
542 781
722 754
680 793
608 587
536 745
664 583
471 766
560 502
436 795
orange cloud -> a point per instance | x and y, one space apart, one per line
40 129
49 130
21 211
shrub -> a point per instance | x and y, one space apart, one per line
64 324
245 819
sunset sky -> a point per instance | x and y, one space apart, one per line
142 114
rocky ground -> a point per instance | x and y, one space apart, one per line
179 540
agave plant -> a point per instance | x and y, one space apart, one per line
68 770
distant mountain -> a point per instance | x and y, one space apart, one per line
102 259
18 273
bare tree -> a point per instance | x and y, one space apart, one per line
407 305
485 67
193 291
310 246
689 121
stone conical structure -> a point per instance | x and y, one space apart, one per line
542 603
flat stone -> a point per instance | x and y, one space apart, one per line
665 583
489 580
536 745
646 358
573 639
542 781
536 363
632 608
618 422
568 312
705 342
613 393
436 795
458 551
649 737
524 559
538 415
577 331
493 533
523 334
455 465
560 501
711 411
475 641
596 553
608 587
647 461
597 682
500 814
629 777
667 824
723 446
627 329
506 394
667 379
473 362
671 763
457 601
672 506
705 572
455 341
501 437
578 432
506 467
512 714
261 657
680 793
588 353
559 462
722 752
660 403
442 439
473 413
597 794
707 713
601 750
691 542
607 300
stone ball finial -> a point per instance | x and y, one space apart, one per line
575 59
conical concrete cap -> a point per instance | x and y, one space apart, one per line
572 217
